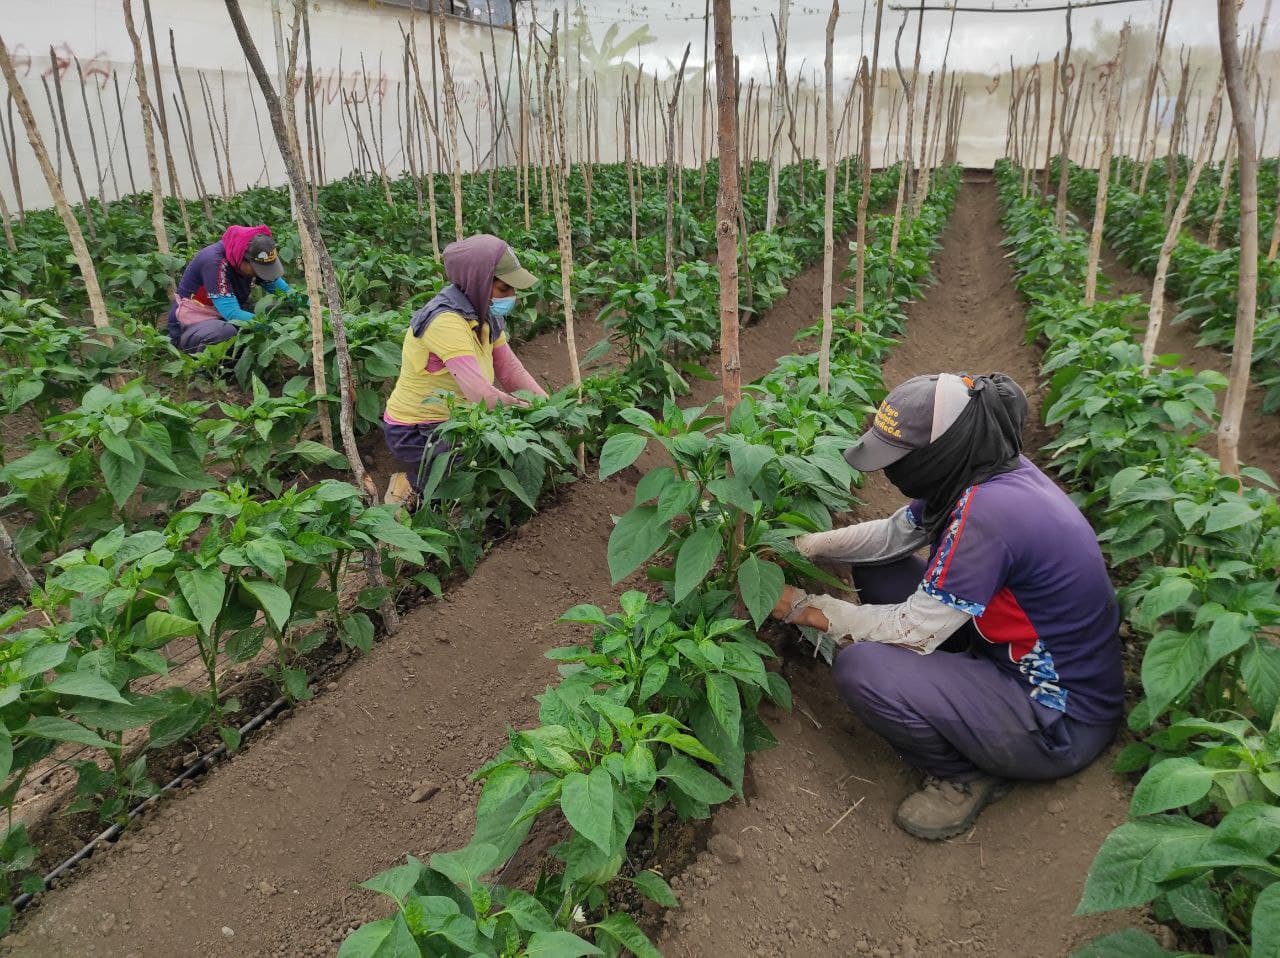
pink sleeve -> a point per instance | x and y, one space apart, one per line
466 372
510 372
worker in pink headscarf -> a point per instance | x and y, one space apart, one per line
455 345
213 294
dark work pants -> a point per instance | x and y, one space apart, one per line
198 336
415 446
952 714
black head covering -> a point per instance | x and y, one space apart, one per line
984 441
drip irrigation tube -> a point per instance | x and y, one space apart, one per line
115 831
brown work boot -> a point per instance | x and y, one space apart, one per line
943 809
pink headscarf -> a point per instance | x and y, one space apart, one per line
236 240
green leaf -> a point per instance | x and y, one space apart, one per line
1266 923
204 590
1229 515
275 601
1129 943
357 630
1197 905
387 938
465 866
558 944
396 882
760 582
42 658
163 626
1135 857
86 686
528 912
622 928
1173 783
620 451
63 730
1261 670
121 475
696 558
726 704
587 802
749 459
267 556
635 538
1171 593
655 888
1173 661
88 580
694 781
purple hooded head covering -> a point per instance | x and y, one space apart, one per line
470 265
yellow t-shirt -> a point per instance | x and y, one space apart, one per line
449 336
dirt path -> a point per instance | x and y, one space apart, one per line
1260 433
812 883
272 844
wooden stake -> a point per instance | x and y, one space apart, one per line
828 227
183 109
175 187
1175 134
671 172
144 102
1247 288
310 223
88 274
11 154
425 111
703 156
1114 83
1064 132
124 135
93 138
71 152
776 114
869 80
1155 311
728 201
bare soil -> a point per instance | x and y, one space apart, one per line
272 843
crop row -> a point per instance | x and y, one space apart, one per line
653 719
1201 278
133 564
1199 551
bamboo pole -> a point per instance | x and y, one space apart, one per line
71 152
1247 288
1155 311
828 228
627 162
310 223
144 102
869 79
79 249
1114 82
728 201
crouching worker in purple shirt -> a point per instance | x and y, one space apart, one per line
997 659
213 294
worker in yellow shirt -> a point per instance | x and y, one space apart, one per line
457 344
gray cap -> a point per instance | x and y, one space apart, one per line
261 255
911 416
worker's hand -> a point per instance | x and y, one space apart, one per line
790 596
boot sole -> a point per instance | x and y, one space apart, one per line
951 831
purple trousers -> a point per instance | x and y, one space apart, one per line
198 336
952 714
415 446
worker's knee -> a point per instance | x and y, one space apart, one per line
865 673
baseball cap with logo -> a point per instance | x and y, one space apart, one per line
261 255
512 273
913 415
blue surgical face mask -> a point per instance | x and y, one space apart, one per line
502 307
